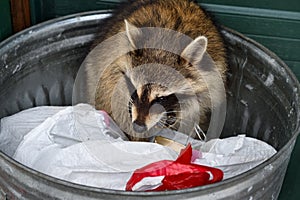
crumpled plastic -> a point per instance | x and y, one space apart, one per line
234 155
15 127
84 146
178 174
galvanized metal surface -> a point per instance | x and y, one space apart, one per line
38 67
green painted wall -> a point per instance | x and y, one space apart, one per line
48 9
278 30
5 20
288 5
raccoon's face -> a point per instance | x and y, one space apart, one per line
153 105
162 84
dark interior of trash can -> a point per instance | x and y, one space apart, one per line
38 67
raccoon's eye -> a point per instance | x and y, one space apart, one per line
160 100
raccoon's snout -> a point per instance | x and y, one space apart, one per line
145 113
138 127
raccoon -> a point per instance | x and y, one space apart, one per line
145 89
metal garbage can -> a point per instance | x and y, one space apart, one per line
38 67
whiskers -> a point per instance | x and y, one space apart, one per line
170 118
172 111
200 133
162 124
190 128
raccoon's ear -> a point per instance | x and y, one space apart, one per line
132 33
195 50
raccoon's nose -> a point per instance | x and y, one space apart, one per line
139 127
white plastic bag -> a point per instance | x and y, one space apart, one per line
78 145
234 155
82 145
15 127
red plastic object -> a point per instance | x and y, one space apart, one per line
178 174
